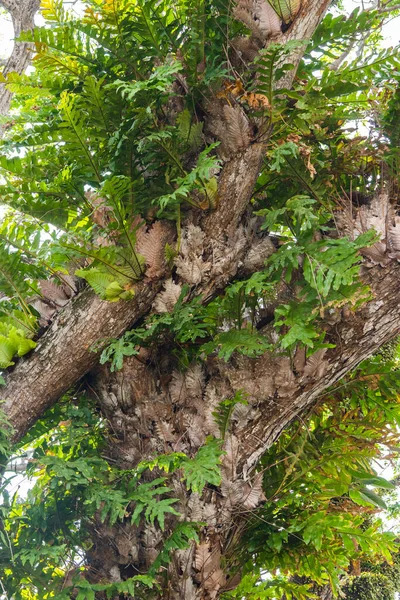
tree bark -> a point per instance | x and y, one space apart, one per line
152 408
78 327
64 354
22 13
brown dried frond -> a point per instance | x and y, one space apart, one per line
374 215
177 388
394 234
214 582
233 491
224 260
151 245
194 378
268 20
102 214
190 271
258 253
284 379
259 17
316 365
244 50
208 563
376 255
245 11
240 416
237 132
202 556
167 299
69 284
45 310
196 507
196 430
231 457
193 240
190 265
253 495
165 431
53 292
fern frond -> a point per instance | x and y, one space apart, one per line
12 342
66 39
244 11
237 132
286 9
316 365
167 299
335 263
53 292
223 414
95 98
243 341
190 133
194 378
76 130
14 278
57 65
151 245
271 63
393 236
53 11
98 279
268 20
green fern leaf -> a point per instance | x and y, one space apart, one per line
75 130
243 341
190 133
53 10
271 65
98 279
225 408
158 510
286 9
7 351
204 468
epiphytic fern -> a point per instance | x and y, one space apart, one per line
286 9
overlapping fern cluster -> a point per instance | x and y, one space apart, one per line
97 144
320 522
109 132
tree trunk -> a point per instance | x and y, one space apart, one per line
153 408
22 13
208 268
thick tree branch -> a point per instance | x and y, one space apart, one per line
64 355
277 395
22 13
153 408
240 174
40 380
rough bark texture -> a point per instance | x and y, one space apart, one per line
22 13
64 354
235 189
154 408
